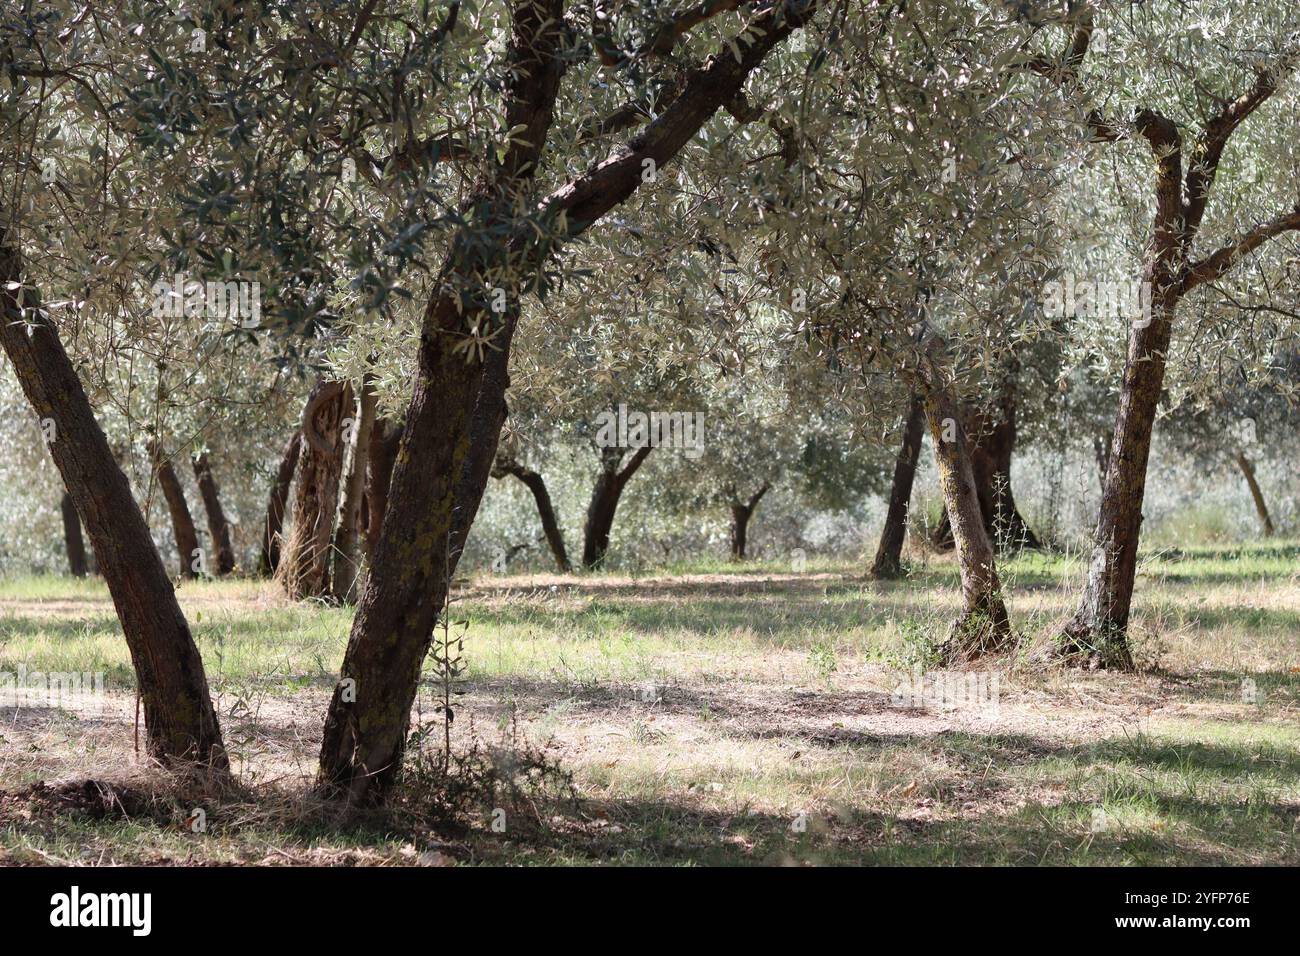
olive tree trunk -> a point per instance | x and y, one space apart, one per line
1257 495
741 513
183 530
535 483
982 625
347 539
889 554
181 725
458 405
385 438
218 526
605 496
269 557
305 565
72 540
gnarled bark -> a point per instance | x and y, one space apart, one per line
347 545
269 557
218 526
983 625
605 496
180 722
305 565
889 554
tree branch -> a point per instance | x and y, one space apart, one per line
610 181
1209 148
1219 262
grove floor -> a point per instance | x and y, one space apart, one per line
707 714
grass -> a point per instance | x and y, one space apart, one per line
709 713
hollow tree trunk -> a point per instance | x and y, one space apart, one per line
269 557
347 545
741 513
545 509
183 530
305 564
180 722
1261 507
605 495
385 438
983 624
1098 630
72 539
454 399
889 554
218 526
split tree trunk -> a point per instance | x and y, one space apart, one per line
305 565
347 544
1261 507
183 530
269 558
72 539
889 555
605 495
983 625
741 513
180 722
218 526
545 509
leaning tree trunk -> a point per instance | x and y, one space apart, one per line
605 496
545 509
269 557
385 439
1261 507
741 513
1097 633
456 399
183 530
218 526
72 539
305 565
347 545
180 722
889 555
983 625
